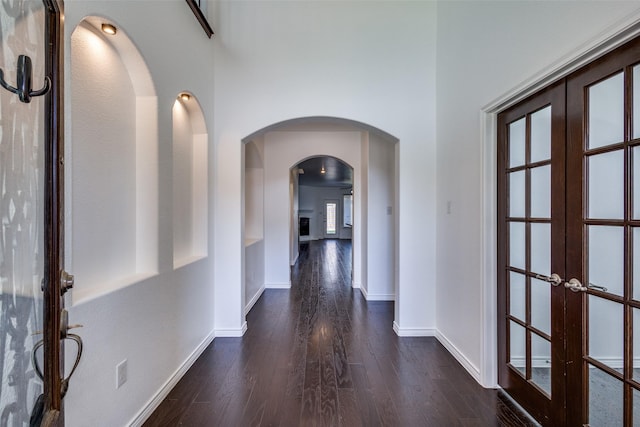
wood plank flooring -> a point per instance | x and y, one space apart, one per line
320 355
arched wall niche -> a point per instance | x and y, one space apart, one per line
190 175
112 221
363 147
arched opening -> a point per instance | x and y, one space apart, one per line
112 223
190 173
371 155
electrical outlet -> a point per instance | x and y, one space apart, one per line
121 373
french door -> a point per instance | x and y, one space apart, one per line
32 321
569 251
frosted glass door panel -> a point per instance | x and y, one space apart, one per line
517 296
541 306
517 347
541 248
517 143
635 235
606 331
21 212
517 194
605 258
606 112
541 363
541 135
517 244
636 182
606 185
636 103
636 348
605 399
541 192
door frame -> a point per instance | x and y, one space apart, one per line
53 216
615 36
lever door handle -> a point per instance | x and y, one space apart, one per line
554 279
575 286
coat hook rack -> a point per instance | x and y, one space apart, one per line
24 77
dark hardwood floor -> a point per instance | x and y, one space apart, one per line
320 355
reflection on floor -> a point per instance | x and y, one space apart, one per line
319 354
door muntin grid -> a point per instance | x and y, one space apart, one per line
528 181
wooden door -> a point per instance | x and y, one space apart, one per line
593 235
603 240
531 158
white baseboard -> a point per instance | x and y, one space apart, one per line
413 332
286 285
376 297
233 332
254 300
473 370
166 388
292 263
356 285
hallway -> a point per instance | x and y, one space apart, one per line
319 354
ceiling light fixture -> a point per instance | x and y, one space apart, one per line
322 171
185 96
109 29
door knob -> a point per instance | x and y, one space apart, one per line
575 286
554 279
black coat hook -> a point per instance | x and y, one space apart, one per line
24 75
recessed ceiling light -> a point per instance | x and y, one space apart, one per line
109 29
185 96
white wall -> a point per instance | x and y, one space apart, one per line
484 50
156 323
373 62
380 220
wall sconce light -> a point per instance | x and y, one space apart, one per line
185 97
109 29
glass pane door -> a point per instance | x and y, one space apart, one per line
21 211
604 228
531 159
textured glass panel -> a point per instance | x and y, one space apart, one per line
517 347
636 407
541 362
636 183
517 143
541 192
517 194
541 135
636 106
635 191
541 249
606 331
636 347
21 211
605 399
636 264
541 305
606 112
606 185
606 257
517 296
517 244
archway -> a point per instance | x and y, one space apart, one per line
372 155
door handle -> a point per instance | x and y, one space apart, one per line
554 279
64 335
575 286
